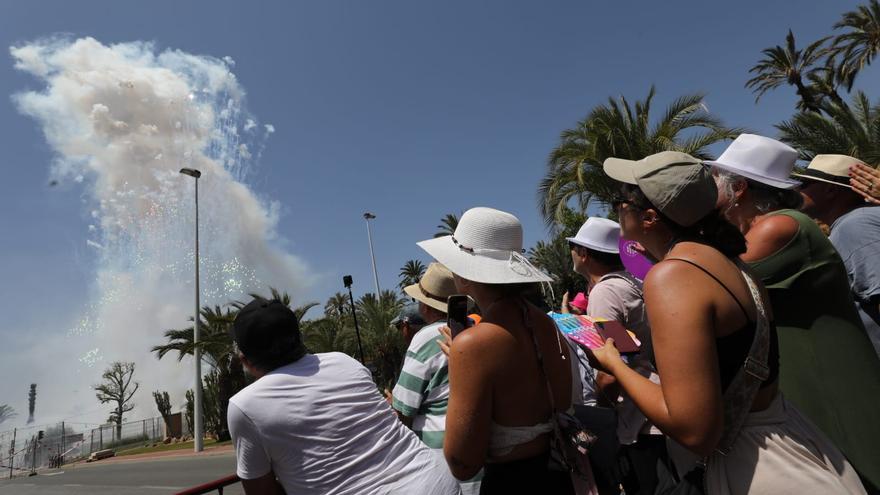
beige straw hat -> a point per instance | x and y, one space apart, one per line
435 286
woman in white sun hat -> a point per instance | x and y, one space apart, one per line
827 365
509 373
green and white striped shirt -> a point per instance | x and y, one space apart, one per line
422 391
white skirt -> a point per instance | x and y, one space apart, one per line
779 451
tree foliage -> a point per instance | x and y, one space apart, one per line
447 225
163 404
786 64
410 273
622 129
846 129
858 43
6 413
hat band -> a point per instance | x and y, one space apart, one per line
818 174
429 295
517 263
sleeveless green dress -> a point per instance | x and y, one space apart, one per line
828 366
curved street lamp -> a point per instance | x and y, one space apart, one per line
367 217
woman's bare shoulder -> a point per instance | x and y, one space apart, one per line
769 235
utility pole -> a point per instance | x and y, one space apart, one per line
12 452
61 454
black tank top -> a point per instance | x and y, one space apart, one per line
733 349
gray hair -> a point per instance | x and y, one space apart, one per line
765 198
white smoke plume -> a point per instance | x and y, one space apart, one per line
122 120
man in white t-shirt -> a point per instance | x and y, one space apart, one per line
316 423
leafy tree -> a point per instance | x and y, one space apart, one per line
163 404
554 257
117 389
189 411
789 65
6 413
383 344
411 273
337 306
859 43
214 410
619 129
852 130
447 225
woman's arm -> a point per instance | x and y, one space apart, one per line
466 443
687 404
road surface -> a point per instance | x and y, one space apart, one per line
140 477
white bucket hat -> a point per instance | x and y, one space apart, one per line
600 234
761 159
486 247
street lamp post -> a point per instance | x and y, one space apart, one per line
367 217
198 433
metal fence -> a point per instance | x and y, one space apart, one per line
30 448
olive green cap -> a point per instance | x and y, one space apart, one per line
676 183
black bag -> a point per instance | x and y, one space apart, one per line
602 423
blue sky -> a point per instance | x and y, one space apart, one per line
407 109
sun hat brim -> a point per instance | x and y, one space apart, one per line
490 267
594 247
415 292
833 179
770 181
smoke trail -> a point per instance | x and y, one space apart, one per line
122 120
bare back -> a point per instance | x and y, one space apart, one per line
501 351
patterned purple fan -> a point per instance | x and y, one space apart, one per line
633 261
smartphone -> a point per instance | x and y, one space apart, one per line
613 329
456 312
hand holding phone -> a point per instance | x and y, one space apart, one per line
456 312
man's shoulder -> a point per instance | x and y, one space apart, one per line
855 228
428 334
620 283
856 220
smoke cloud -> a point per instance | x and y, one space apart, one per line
122 120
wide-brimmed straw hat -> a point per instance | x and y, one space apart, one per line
833 169
760 159
486 247
434 288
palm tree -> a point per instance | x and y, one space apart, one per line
618 129
788 65
860 43
411 273
6 413
383 344
337 306
554 257
329 335
447 225
848 129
